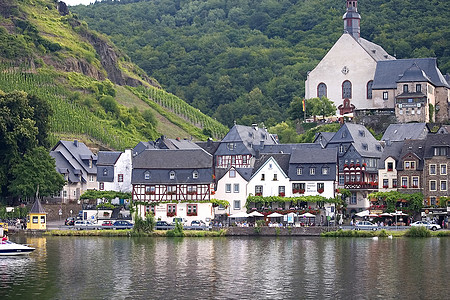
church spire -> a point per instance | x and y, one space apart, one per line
352 19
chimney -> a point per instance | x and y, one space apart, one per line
261 145
75 142
255 126
209 142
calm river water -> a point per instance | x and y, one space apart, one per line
228 268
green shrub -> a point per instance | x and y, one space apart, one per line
418 231
177 231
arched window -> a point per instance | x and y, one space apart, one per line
346 90
369 89
321 90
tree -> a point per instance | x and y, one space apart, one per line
35 171
320 107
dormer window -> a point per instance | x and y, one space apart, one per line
299 171
440 151
172 175
195 175
362 133
341 149
312 171
105 172
344 134
325 170
365 146
231 146
147 175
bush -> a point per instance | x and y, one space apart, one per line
177 231
419 231
144 225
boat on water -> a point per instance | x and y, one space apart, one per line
10 248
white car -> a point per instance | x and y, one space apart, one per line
428 225
83 224
365 225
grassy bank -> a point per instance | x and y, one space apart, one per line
412 232
130 233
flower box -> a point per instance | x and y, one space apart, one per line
191 214
258 194
415 186
390 170
281 194
320 191
192 192
171 193
385 186
150 193
171 214
213 192
404 186
394 186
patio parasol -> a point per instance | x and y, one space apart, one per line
255 214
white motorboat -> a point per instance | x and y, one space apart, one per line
10 248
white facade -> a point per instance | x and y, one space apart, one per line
184 210
347 60
271 179
388 176
122 174
233 188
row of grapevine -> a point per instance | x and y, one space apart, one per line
181 108
68 118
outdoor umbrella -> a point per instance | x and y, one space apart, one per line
240 215
364 213
255 214
275 215
308 215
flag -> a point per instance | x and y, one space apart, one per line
304 104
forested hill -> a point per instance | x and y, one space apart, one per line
246 60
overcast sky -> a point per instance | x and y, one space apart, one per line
76 2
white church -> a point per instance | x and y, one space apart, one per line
357 74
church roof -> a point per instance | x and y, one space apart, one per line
388 72
407 131
375 51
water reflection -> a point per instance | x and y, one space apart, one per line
227 268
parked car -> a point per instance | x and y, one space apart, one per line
163 225
198 223
122 225
83 224
179 220
366 225
70 221
107 224
428 225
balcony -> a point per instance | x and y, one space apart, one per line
361 185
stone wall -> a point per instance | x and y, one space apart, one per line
277 231
52 211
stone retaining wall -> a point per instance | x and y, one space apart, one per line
52 211
277 231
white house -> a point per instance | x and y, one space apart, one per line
114 171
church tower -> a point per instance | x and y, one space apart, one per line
352 19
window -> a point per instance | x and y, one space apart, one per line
172 175
415 182
231 146
440 151
237 204
258 190
232 173
346 90
320 187
192 190
236 188
298 188
405 88
171 209
105 172
42 219
369 89
394 183
120 177
74 193
443 185
418 88
35 219
321 90
404 182
171 190
228 188
312 171
91 178
433 200
385 96
244 160
191 209
443 169
233 160
325 171
195 175
281 191
390 166
341 179
299 171
65 192
432 185
150 190
410 165
147 175
353 198
263 177
275 177
101 187
341 148
432 169
385 183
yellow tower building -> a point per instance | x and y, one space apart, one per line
37 218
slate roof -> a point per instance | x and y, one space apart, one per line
37 208
80 153
281 159
286 148
375 51
392 149
107 158
323 137
209 146
412 146
246 173
314 156
173 159
388 72
64 167
436 140
361 138
407 131
414 74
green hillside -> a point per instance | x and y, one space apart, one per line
246 60
94 90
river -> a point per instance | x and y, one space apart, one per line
227 268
